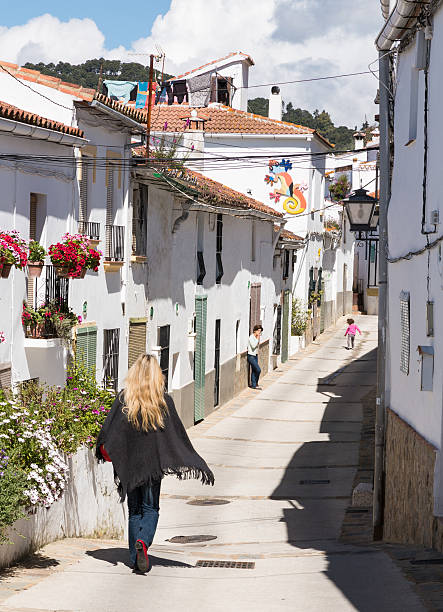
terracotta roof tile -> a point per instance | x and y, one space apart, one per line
216 61
224 119
216 193
287 235
8 111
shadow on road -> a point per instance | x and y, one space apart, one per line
318 481
114 556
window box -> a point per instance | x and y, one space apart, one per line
112 266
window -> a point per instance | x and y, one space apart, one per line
285 264
404 331
137 340
201 269
115 234
237 330
255 306
139 220
419 64
111 338
56 289
163 342
86 347
427 367
221 89
219 247
83 203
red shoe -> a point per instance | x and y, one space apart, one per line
142 556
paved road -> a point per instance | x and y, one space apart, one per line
284 460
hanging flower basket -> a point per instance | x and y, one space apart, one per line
74 256
12 252
6 269
35 269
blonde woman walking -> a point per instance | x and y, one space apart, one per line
145 440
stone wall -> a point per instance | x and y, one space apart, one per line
90 507
410 462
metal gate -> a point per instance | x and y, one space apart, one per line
200 357
276 343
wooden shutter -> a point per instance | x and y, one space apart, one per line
109 211
86 347
5 376
255 306
285 327
405 332
200 357
137 341
32 236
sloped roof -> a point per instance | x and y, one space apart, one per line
225 120
83 93
8 111
287 235
216 61
213 192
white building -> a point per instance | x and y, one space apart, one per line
414 434
184 276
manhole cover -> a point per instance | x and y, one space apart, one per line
228 564
208 502
314 482
191 539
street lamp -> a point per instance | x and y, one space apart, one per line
374 221
360 209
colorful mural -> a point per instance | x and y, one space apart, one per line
294 202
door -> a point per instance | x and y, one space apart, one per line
217 363
285 327
163 342
315 308
254 306
111 339
200 357
276 344
345 284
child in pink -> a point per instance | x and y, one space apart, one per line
350 332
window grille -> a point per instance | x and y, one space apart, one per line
115 238
405 331
219 248
286 264
163 342
83 204
56 289
111 339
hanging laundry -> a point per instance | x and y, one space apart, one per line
164 93
121 90
180 90
199 90
142 94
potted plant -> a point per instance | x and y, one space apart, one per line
33 322
74 256
36 258
12 252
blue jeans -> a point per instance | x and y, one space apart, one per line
143 507
255 370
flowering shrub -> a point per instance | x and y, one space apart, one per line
2 337
56 321
13 249
39 427
75 254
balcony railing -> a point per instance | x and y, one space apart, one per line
89 229
115 243
56 289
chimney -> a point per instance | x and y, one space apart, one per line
275 103
359 140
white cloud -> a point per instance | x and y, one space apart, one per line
288 39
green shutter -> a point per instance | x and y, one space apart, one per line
86 349
285 328
200 357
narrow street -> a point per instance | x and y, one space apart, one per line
284 460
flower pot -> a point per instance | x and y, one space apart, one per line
6 269
35 269
37 331
82 273
62 271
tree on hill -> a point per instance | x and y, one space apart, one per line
87 74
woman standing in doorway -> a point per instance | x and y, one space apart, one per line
145 439
253 346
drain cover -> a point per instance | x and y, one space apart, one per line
228 564
208 502
191 539
314 482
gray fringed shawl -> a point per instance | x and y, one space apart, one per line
141 457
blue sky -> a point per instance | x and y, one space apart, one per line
121 23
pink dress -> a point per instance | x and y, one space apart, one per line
352 329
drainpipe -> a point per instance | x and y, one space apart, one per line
186 205
384 195
402 18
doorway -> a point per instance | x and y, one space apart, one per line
217 363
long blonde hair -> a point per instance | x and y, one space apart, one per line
144 399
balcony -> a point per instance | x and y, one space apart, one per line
91 230
114 248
